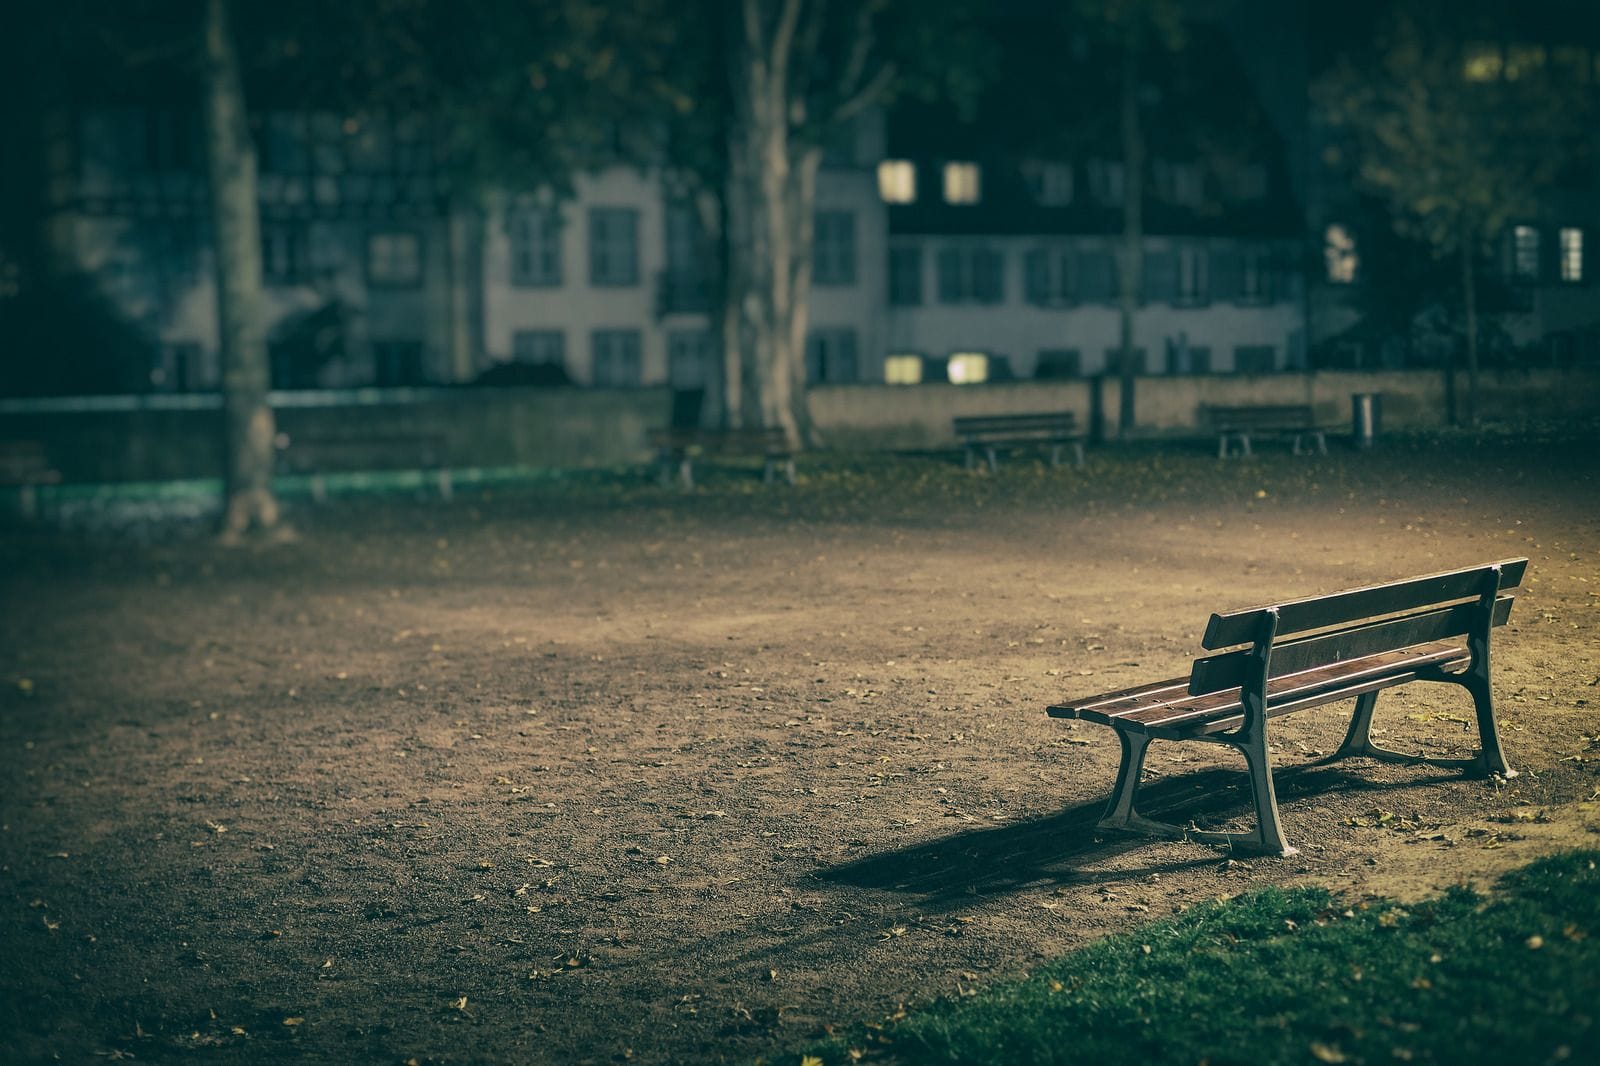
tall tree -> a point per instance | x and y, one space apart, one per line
1454 138
249 503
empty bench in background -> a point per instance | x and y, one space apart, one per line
677 449
25 466
318 456
990 433
1343 645
1238 424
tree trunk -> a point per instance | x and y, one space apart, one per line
1469 302
247 418
771 195
1131 261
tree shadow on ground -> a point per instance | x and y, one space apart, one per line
1066 847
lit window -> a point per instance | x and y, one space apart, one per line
1524 253
961 183
968 368
1339 253
897 181
394 258
902 370
1050 183
1482 63
1571 254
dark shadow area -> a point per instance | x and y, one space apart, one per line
1057 849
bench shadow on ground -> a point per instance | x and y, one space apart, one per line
1067 848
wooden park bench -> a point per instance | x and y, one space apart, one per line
1239 423
678 447
989 433
1303 653
25 466
317 456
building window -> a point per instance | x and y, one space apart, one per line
962 183
971 275
613 246
1571 239
1050 182
902 369
684 283
689 359
1254 359
284 253
1179 183
1055 364
1193 277
394 258
1524 253
968 368
831 356
544 346
616 358
905 277
1255 277
1096 275
1106 181
536 247
1185 358
178 368
1047 276
834 253
1114 361
397 363
1339 254
897 181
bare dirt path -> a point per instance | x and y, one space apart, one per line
597 772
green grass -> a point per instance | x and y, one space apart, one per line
1298 976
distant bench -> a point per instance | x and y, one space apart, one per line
1239 423
1431 628
989 433
319 456
678 448
24 465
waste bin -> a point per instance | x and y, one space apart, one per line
1366 410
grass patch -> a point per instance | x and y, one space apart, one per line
1298 976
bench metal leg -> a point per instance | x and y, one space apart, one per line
1055 455
319 488
994 460
1244 441
686 472
1295 447
1120 813
446 487
1492 756
971 458
1077 452
1322 442
1358 738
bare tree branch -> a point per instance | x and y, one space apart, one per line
850 107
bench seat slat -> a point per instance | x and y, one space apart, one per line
1163 709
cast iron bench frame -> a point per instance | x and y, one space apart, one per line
677 448
1239 422
989 433
320 455
1353 643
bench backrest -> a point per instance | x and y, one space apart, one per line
1250 416
1063 423
1364 621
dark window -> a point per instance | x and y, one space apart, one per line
539 346
1256 274
285 253
1048 276
1193 283
1097 276
535 247
834 261
1114 361
905 277
689 359
394 259
613 246
831 356
1254 359
971 275
397 363
1056 363
1185 358
616 358
179 369
1161 277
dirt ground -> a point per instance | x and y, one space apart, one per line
594 771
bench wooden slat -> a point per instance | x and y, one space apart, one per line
1288 417
1230 669
1316 612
